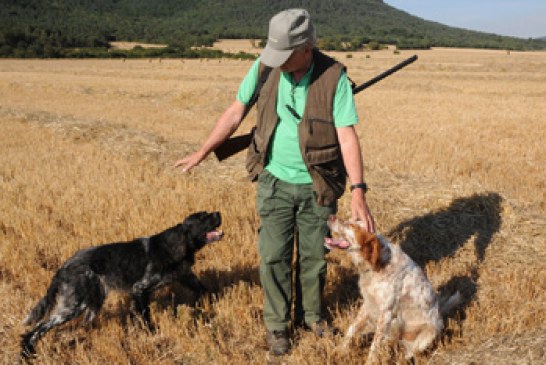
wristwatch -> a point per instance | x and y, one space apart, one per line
362 186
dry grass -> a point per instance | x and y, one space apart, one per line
454 148
131 45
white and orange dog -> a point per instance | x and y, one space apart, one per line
398 298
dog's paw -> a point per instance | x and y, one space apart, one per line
27 354
28 350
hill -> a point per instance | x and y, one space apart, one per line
38 28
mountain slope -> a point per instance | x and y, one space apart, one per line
93 23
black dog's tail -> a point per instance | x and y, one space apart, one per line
447 304
44 305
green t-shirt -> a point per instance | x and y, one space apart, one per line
284 156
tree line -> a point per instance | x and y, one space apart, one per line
85 28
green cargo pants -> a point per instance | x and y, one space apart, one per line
284 209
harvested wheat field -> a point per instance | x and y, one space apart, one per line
455 158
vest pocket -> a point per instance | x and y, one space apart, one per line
254 157
319 156
333 172
328 172
329 182
322 133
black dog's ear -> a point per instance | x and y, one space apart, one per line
196 233
175 240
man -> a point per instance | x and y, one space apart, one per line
303 148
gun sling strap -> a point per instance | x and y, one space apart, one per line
262 78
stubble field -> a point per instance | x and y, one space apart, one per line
454 154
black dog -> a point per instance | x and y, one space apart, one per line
137 267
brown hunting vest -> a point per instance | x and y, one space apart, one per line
316 131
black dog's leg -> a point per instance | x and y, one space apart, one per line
192 282
141 305
95 296
78 293
28 345
29 339
141 292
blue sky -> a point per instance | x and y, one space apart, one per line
518 18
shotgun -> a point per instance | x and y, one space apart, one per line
234 145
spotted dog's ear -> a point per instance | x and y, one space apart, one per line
371 248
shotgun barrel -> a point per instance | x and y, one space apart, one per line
384 74
236 144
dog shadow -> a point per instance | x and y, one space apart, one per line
440 234
434 236
215 281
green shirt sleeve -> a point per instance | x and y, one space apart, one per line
344 103
247 86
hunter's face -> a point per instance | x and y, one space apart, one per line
299 60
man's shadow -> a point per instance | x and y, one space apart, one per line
440 234
437 235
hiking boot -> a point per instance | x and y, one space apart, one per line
278 342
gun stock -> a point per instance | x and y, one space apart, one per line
236 144
233 145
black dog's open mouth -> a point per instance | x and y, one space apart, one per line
215 235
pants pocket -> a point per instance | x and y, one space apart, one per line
265 203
